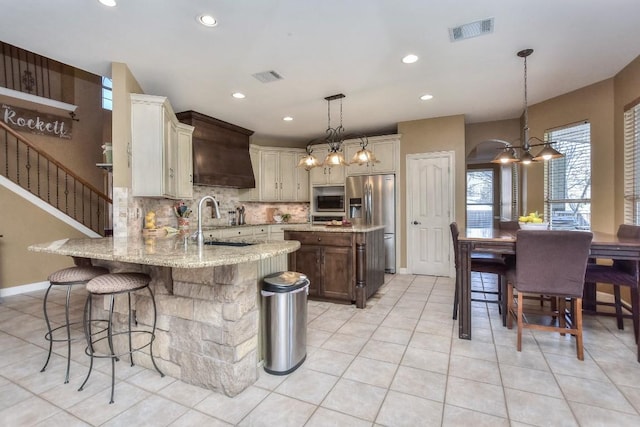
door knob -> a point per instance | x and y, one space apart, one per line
416 222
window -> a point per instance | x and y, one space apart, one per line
567 180
480 198
631 166
107 93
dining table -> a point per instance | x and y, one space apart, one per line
498 241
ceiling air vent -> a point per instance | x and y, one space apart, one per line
267 76
472 29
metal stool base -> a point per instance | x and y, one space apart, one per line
90 351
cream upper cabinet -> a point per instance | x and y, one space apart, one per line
184 185
277 177
324 175
161 154
270 175
386 151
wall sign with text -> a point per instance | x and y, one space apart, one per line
32 121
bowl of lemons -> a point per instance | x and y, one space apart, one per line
533 221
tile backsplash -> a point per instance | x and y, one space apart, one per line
129 212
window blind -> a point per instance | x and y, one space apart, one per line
631 166
567 180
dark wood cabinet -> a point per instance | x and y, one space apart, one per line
341 266
307 261
337 267
327 260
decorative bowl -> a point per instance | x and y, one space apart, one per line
534 226
277 218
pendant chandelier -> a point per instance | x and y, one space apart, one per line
309 161
364 156
509 153
335 138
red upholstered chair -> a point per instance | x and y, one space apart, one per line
482 263
551 263
621 273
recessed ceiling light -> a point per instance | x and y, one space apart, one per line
410 59
238 95
426 97
287 119
207 20
108 3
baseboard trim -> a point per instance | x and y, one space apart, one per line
23 289
404 271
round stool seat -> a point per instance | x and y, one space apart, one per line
69 277
111 286
117 282
78 274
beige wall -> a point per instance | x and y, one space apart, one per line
504 130
594 104
626 90
275 142
83 150
22 225
424 136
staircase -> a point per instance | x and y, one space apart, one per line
40 174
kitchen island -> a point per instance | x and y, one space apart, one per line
344 263
207 301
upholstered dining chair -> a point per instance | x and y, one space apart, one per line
551 263
621 273
482 263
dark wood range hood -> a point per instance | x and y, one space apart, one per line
220 152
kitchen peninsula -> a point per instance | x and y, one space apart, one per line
344 264
208 316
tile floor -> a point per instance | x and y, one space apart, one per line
396 363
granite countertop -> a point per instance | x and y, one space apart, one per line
168 251
304 226
258 224
334 229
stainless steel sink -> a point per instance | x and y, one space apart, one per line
219 243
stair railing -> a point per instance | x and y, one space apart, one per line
51 181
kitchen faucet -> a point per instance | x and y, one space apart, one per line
199 237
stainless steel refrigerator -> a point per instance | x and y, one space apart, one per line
371 200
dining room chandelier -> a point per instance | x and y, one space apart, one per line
509 153
334 138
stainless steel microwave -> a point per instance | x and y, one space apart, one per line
329 203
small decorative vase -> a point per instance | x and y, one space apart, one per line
183 223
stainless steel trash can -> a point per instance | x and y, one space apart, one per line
284 321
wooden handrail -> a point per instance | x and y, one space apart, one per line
57 163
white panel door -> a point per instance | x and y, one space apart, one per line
429 209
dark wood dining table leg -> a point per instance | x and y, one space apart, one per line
464 291
589 298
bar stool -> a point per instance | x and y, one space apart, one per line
112 285
66 277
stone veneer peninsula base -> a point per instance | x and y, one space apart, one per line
207 324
